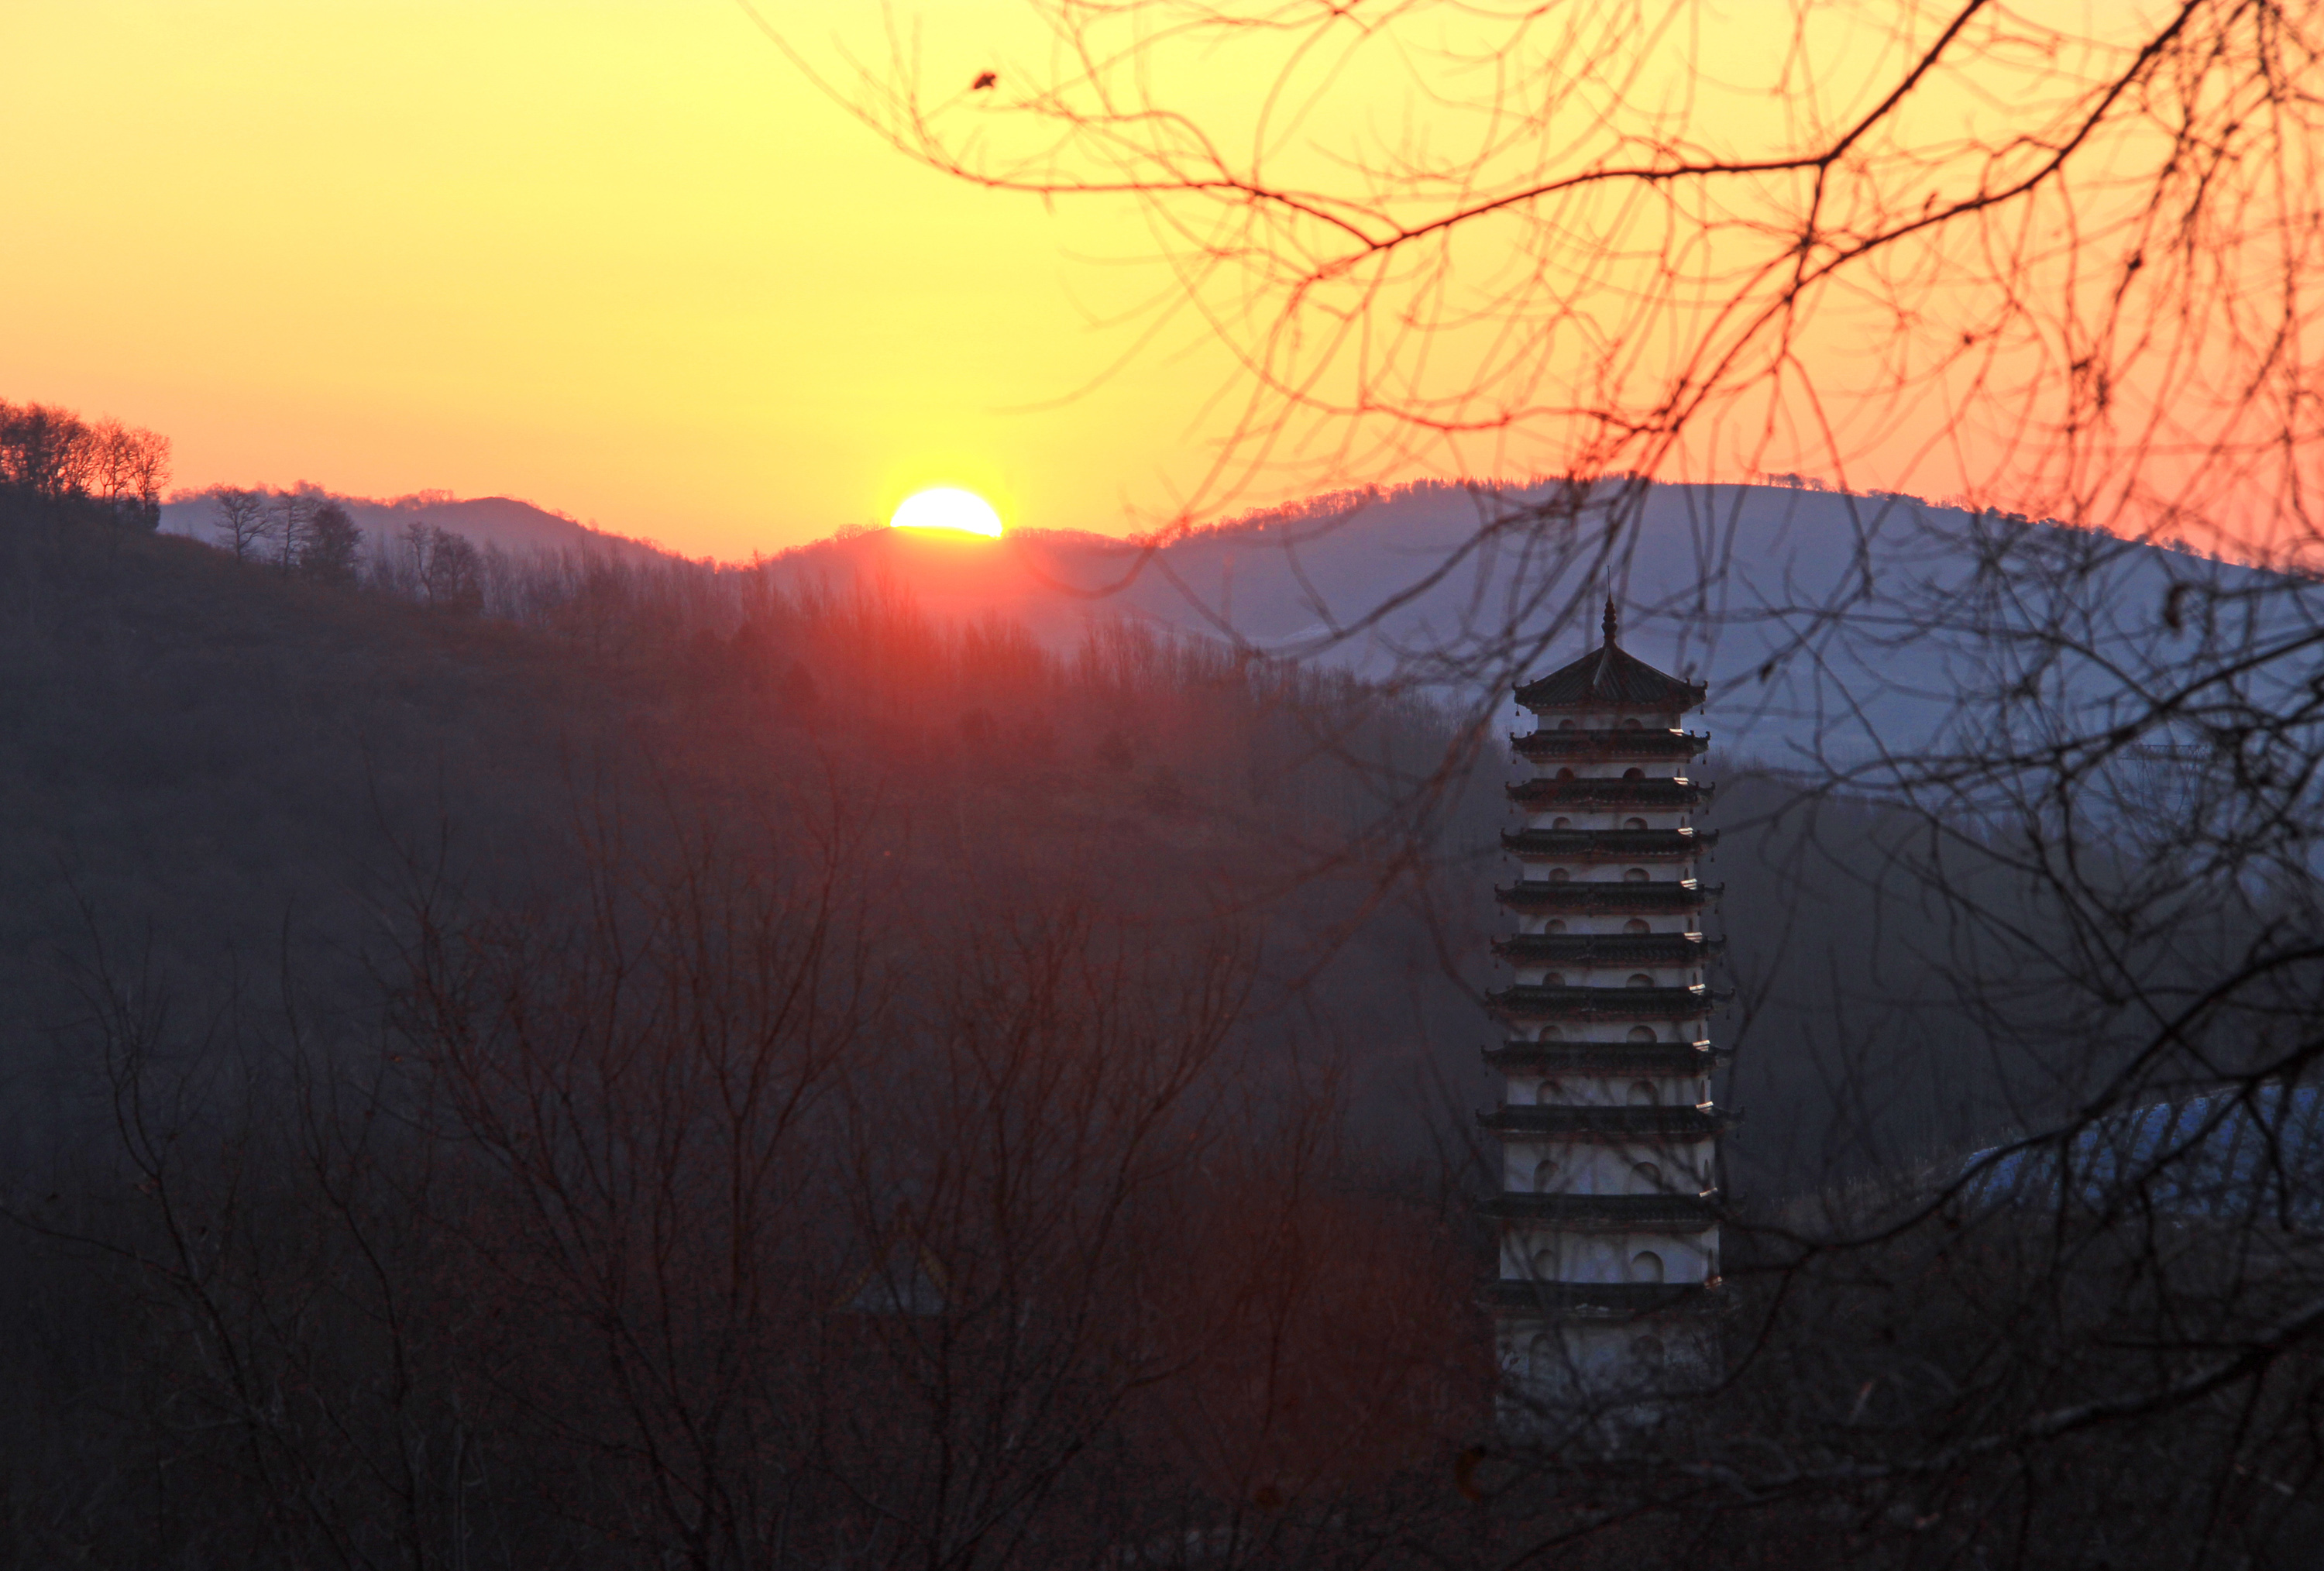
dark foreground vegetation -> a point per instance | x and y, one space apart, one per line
679 1072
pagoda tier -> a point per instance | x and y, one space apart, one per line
1606 948
1666 1060
1670 795
1573 1121
1584 1003
1535 897
1554 746
1607 1212
1608 845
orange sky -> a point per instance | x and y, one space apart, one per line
620 258
616 256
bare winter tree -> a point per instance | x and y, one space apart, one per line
730 1211
332 551
238 518
288 525
2060 269
2055 264
45 452
52 454
439 568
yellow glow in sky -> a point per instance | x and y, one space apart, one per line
620 258
616 257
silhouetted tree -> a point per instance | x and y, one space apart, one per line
45 452
52 454
331 551
238 518
289 519
445 569
128 471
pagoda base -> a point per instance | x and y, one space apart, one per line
1577 1372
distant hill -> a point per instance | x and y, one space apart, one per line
1830 625
1827 624
514 526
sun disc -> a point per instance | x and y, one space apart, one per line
947 507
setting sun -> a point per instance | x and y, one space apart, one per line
947 507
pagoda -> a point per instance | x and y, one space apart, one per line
1606 1209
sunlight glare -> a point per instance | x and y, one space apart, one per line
947 507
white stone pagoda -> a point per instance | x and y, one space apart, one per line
1609 1194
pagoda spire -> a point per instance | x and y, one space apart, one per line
1613 620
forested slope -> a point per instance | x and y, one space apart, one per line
208 760
203 760
749 1066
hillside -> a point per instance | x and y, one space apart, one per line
393 995
211 759
214 770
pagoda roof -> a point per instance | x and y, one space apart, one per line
1603 1057
1611 677
1601 1003
1607 948
1609 844
1606 897
1582 1121
1606 1213
1661 794
1641 744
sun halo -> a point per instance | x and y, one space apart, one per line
947 507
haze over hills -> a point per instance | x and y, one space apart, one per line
503 521
212 747
1830 625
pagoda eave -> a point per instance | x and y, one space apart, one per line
1608 845
1608 744
1627 1058
1675 1214
1541 897
1588 950
1573 1121
1660 795
1526 1001
1601 1301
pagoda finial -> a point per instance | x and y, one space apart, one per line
1613 620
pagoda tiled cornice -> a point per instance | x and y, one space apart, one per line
1609 844
1612 1300
1527 1002
1606 948
1650 1059
1606 1213
1539 897
1598 792
1564 1121
1595 744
